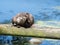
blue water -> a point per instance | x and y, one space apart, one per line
51 42
43 10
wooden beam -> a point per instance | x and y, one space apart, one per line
7 29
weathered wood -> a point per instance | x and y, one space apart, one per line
7 29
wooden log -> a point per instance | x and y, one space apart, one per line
7 29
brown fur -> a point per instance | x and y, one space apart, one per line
26 21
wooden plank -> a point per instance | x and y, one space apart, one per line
7 29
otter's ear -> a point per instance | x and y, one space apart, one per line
27 13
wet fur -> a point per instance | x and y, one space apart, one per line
26 21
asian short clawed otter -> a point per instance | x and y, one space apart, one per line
23 19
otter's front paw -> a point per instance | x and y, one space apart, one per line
18 26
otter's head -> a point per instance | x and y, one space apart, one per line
21 20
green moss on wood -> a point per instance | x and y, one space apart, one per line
6 29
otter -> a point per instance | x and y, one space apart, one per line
23 19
